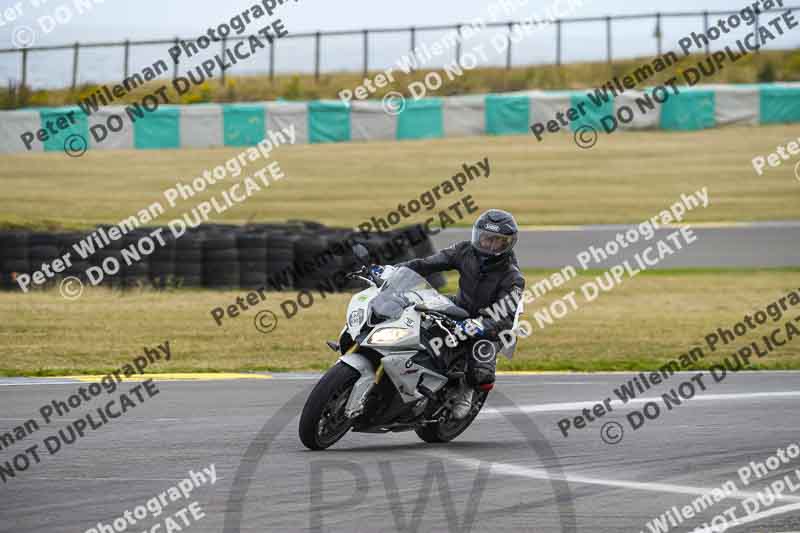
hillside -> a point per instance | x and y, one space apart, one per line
766 67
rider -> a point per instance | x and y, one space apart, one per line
488 273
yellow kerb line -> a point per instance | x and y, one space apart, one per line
174 376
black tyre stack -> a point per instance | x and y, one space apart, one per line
189 259
136 260
162 262
44 247
78 265
308 250
280 260
334 265
252 246
221 260
110 255
296 255
14 257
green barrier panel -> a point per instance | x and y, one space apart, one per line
689 111
58 118
328 122
779 105
421 119
243 124
507 115
157 129
593 112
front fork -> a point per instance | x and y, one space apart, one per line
362 387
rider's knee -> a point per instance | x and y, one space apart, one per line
482 364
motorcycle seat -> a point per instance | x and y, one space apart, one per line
451 311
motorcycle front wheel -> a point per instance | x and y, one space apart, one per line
323 422
447 431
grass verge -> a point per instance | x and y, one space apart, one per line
626 178
640 325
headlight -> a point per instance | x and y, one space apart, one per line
355 318
388 335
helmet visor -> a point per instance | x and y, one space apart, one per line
491 243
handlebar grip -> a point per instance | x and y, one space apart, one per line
445 319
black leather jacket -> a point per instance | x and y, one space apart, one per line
481 283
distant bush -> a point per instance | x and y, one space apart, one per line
766 73
292 90
791 67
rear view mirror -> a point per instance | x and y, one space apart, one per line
361 253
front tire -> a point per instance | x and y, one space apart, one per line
447 431
322 422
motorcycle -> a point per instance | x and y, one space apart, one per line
391 374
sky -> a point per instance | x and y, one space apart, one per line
117 20
141 19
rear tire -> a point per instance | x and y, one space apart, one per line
322 422
447 431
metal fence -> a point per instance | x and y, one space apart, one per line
412 32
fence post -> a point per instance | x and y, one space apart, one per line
458 43
755 29
224 48
75 66
24 67
458 27
175 69
272 61
316 56
413 45
366 52
127 55
658 34
558 42
508 51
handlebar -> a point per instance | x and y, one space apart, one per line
446 320
364 273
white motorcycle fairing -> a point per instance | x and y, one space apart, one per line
405 374
355 403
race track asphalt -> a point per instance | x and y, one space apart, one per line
762 244
512 470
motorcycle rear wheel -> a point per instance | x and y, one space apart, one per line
447 431
322 422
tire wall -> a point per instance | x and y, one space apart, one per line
294 255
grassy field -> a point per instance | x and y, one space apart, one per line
770 65
625 178
641 324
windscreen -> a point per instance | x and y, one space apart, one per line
405 288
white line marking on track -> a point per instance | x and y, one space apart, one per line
539 473
569 406
573 383
749 518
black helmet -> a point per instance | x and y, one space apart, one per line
494 233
